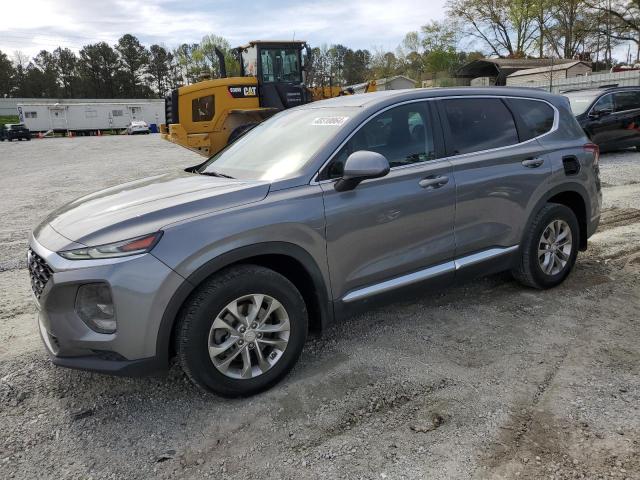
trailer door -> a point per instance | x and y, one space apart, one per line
58 118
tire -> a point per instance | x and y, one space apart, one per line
544 271
208 305
239 131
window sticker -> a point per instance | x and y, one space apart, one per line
330 121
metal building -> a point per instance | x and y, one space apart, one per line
85 115
523 78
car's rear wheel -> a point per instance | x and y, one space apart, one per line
550 247
241 331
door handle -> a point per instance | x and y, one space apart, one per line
434 182
533 162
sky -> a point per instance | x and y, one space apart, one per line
33 25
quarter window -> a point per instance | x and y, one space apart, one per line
202 109
479 124
536 116
627 100
402 134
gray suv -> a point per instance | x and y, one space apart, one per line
316 213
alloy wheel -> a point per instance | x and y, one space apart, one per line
249 336
554 247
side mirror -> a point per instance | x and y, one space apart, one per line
601 113
360 166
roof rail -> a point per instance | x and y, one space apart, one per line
610 85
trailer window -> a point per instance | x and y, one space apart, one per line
202 109
116 113
31 114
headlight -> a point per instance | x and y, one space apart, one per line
133 246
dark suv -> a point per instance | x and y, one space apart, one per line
610 115
13 131
313 214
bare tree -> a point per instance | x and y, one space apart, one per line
507 27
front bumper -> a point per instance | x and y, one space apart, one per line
141 287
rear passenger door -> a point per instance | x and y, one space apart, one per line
498 165
627 113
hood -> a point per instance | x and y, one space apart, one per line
146 205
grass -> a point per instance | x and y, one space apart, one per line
4 119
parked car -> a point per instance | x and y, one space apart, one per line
14 131
316 213
136 127
610 116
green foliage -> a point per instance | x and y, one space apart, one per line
4 119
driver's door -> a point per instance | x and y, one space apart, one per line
397 229
605 126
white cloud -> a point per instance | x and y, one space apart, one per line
31 25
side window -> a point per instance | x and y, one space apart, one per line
536 116
604 104
402 134
626 100
479 124
202 109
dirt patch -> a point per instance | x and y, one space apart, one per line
616 217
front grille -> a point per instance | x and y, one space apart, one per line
40 272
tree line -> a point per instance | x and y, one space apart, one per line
580 29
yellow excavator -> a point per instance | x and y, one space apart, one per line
207 115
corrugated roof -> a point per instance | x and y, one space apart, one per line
548 68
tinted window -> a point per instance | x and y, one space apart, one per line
401 134
280 64
479 124
626 100
605 104
536 116
202 109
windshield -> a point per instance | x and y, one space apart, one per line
279 146
580 101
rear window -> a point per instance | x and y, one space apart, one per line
537 117
478 124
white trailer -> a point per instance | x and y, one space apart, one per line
89 117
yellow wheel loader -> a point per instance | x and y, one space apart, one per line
208 115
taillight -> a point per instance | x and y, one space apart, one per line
595 150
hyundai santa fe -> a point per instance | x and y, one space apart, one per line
316 213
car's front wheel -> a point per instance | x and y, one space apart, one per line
241 331
549 248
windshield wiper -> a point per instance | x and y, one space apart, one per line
216 174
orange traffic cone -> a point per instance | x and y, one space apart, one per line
99 133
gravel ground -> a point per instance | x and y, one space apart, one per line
486 380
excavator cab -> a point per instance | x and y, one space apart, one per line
208 115
277 65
